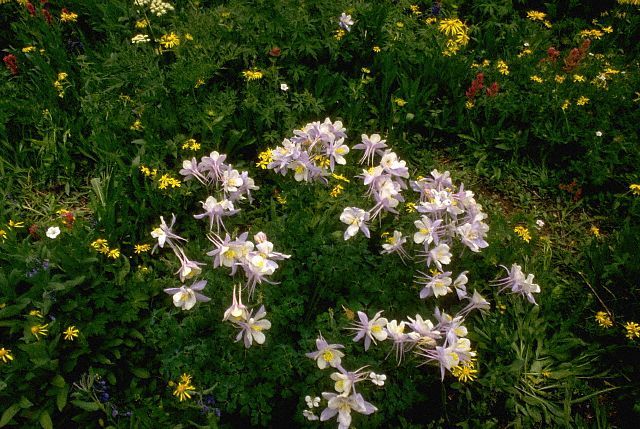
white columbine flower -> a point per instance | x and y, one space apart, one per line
53 232
356 219
377 379
186 297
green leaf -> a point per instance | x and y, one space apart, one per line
140 372
45 420
61 398
8 414
58 381
87 406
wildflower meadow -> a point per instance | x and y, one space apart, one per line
351 214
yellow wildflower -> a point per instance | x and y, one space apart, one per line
399 101
36 313
607 29
547 24
183 391
502 67
70 333
136 126
101 245
559 78
252 74
188 37
486 63
148 172
113 253
141 248
337 190
523 233
565 105
376 49
28 49
3 234
535 15
430 20
66 16
339 34
595 231
199 83
170 40
281 199
191 144
452 27
633 330
536 78
582 101
604 319
5 355
142 23
37 330
525 52
185 378
400 24
265 158
365 70
634 188
594 34
410 207
578 78
465 372
339 177
415 9
469 104
165 181
13 224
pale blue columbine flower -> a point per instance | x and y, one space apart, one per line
395 244
215 210
472 235
252 328
429 231
370 329
391 164
346 21
427 332
326 354
165 235
439 255
436 285
371 145
476 301
188 268
237 311
214 166
190 171
356 218
186 297
336 150
343 405
519 283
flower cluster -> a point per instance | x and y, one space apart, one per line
156 7
457 33
345 399
312 152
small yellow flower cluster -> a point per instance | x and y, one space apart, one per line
559 78
38 330
608 29
465 372
525 52
264 159
142 23
633 330
199 83
28 49
252 75
170 40
535 15
147 172
136 126
591 34
12 224
62 77
635 188
631 2
365 70
582 101
184 389
36 313
469 104
430 20
141 248
281 198
191 144
578 78
523 233
565 104
457 33
102 246
604 319
502 67
66 16
415 9
70 333
595 231
410 207
536 78
339 34
340 177
165 181
3 234
337 190
376 49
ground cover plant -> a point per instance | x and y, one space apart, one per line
306 214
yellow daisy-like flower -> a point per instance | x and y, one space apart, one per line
565 104
415 9
191 144
536 78
634 188
5 355
633 330
578 78
3 234
604 319
36 313
410 207
199 83
594 34
141 248
70 333
399 101
136 126
13 224
188 37
582 101
38 330
264 159
183 391
66 16
185 378
340 177
430 20
535 15
525 52
559 78
113 253
142 23
595 231
170 40
165 181
607 29
339 34
100 245
28 49
252 75
502 67
376 49
469 104
523 233
465 372
281 199
452 27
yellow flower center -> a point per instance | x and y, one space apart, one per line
327 355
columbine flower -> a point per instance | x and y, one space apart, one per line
603 319
371 145
439 255
518 282
251 330
70 333
186 297
327 354
370 329
377 379
356 218
53 232
237 311
342 406
164 234
394 245
346 22
5 355
37 330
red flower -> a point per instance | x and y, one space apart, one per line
552 55
33 230
576 55
275 51
31 9
68 219
47 16
12 63
493 90
476 85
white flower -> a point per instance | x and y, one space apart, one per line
284 87
312 402
140 38
186 297
356 218
309 415
540 223
598 133
377 379
439 255
53 232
